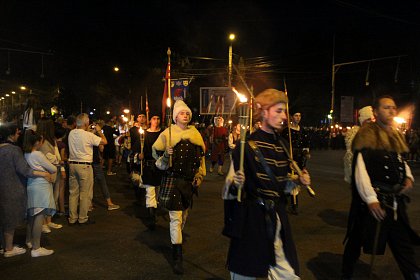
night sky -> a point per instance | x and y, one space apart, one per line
282 39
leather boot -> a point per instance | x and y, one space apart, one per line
152 215
219 170
177 257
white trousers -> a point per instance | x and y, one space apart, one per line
282 270
151 200
176 225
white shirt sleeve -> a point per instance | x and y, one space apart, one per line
408 173
363 183
96 140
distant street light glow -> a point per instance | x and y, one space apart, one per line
126 111
116 69
23 88
231 36
108 112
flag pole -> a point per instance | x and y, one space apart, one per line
147 110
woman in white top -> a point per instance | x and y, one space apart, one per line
40 193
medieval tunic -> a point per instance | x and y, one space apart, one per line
219 146
300 144
378 171
188 163
251 251
151 175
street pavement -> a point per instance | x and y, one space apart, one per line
120 245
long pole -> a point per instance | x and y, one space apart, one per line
170 103
251 105
230 65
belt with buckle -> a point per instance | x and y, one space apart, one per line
80 162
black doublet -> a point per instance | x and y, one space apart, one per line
176 190
252 252
300 141
151 175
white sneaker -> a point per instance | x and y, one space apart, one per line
46 229
41 252
14 252
54 225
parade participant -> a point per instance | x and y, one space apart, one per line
380 182
135 138
151 175
234 137
261 243
220 134
184 164
300 148
81 144
365 116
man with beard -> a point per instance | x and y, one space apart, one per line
184 164
380 181
261 243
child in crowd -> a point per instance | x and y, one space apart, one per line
40 193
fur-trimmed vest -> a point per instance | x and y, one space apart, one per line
372 136
190 134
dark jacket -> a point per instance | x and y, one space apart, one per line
251 251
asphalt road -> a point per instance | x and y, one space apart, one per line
120 245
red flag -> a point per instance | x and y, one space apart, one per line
165 90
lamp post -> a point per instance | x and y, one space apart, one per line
231 38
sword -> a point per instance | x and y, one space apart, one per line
375 247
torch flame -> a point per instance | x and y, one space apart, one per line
399 120
242 98
168 102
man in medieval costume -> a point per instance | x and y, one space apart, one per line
380 181
300 148
219 145
183 161
151 176
261 243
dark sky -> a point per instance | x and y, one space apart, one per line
293 38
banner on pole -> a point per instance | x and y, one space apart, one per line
179 89
346 109
216 100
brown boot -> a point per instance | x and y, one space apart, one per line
219 170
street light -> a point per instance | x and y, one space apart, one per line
22 87
126 111
117 69
231 38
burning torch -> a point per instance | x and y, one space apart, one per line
168 104
243 121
